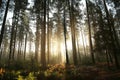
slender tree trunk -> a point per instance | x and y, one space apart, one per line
111 34
13 33
50 41
37 44
90 41
83 43
30 44
65 30
48 36
43 40
3 24
25 46
21 47
4 45
14 46
72 25
15 23
0 3
1 52
19 50
11 40
78 47
59 35
110 56
107 58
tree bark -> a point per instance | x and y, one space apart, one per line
3 24
72 26
48 36
37 44
65 30
25 46
43 40
90 40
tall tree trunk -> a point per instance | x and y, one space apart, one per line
84 47
19 49
37 44
14 46
107 58
111 27
59 35
43 40
30 44
25 46
1 52
90 40
4 45
12 38
72 25
78 51
3 24
50 41
48 36
13 33
0 3
65 37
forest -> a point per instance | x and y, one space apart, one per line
59 39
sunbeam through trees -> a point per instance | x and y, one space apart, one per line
59 39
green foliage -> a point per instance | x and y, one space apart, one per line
54 72
9 75
20 78
30 76
60 72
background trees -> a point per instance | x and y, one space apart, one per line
57 31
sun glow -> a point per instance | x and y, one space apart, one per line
69 45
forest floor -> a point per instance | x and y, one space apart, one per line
99 71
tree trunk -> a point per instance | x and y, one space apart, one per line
107 58
1 52
111 34
50 41
37 44
84 47
12 38
65 30
48 36
72 26
90 40
14 46
25 46
79 53
0 3
3 24
43 40
59 29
